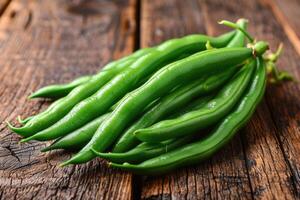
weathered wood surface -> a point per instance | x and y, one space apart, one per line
43 42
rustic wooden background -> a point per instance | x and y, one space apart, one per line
50 41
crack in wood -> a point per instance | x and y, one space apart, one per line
29 19
4 6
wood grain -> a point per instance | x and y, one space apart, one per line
43 42
287 13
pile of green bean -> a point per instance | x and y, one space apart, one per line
159 108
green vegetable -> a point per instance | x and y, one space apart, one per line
78 138
144 151
59 90
124 82
180 98
204 117
161 82
203 149
170 103
50 116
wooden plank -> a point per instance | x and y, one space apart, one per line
3 5
216 178
43 42
287 14
270 174
285 108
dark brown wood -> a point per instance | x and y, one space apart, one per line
287 13
44 42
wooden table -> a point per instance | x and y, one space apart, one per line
44 42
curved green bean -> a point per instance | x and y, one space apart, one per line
80 137
59 90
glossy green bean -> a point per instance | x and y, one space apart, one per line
162 81
78 138
109 94
53 105
170 103
24 121
204 117
144 151
180 98
59 90
205 148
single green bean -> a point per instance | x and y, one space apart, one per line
59 90
53 105
205 148
24 121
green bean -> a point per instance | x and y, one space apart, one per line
170 103
109 94
204 117
205 148
24 121
81 92
53 105
78 138
194 105
162 81
59 90
144 151
180 98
